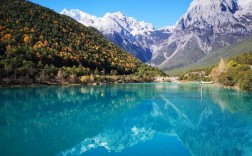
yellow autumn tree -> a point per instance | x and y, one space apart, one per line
27 38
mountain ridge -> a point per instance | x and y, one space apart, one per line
126 32
131 24
205 27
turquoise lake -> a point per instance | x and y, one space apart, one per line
150 119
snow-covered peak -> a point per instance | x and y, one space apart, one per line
64 11
168 29
80 16
117 14
210 8
214 12
212 3
111 22
129 23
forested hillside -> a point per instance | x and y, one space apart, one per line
39 44
234 72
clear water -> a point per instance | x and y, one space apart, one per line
157 119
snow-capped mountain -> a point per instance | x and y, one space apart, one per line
206 26
111 22
119 29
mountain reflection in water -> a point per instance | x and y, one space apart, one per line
125 119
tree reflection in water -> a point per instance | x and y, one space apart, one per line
47 120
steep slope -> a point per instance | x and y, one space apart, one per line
206 27
34 38
214 57
124 31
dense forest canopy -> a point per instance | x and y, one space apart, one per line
37 42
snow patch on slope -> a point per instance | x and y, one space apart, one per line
168 29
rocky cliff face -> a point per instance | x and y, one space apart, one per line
206 26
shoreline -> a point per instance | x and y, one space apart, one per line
88 81
69 84
237 88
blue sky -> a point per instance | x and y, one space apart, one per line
158 12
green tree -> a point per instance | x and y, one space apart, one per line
97 72
40 65
246 81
